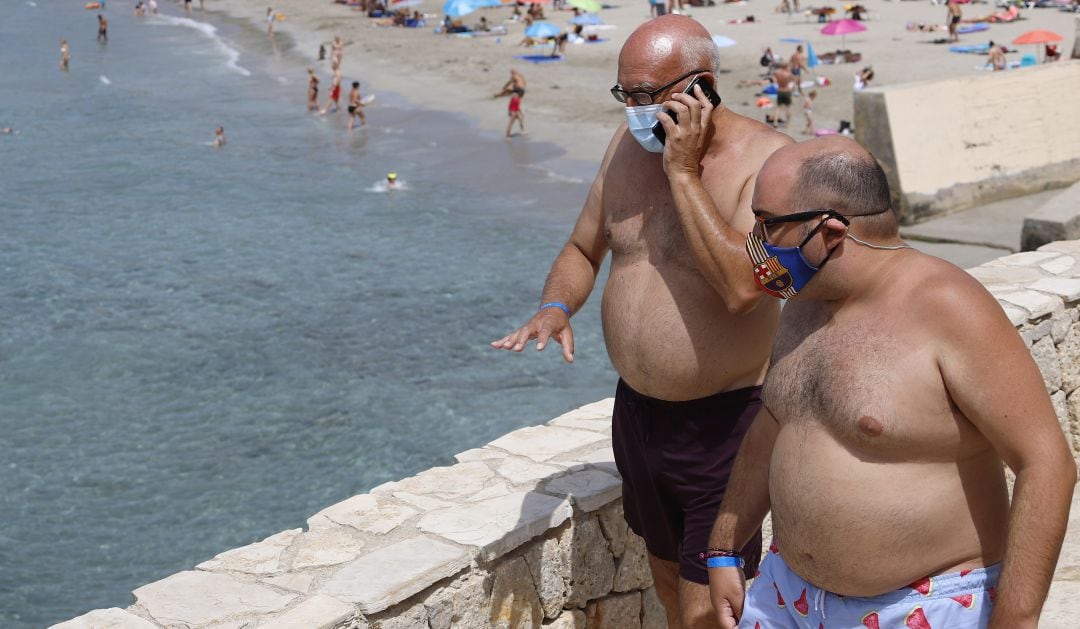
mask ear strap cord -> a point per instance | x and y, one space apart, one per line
882 247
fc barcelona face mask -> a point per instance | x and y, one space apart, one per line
783 271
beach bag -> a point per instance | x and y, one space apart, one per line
765 61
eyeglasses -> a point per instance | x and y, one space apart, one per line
646 98
798 217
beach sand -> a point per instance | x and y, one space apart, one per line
568 101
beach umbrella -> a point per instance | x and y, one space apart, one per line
586 19
842 28
723 42
811 59
458 8
542 30
1036 38
592 6
401 4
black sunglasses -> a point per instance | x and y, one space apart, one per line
798 217
646 98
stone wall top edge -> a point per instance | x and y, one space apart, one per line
1034 285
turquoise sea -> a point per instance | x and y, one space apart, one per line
202 347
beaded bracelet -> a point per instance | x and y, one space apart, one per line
719 552
724 562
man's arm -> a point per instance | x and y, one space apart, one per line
717 239
746 501
573 274
995 383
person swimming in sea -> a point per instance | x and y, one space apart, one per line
392 182
65 55
219 138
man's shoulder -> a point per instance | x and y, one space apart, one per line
749 139
943 293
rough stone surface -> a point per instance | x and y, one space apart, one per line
1070 360
632 569
1058 266
522 471
447 483
197 598
318 612
621 611
614 527
592 566
1016 315
653 615
598 455
259 558
549 564
1034 332
1046 357
1073 403
569 619
403 569
1066 288
494 490
293 581
472 601
1028 258
112 618
498 525
414 617
326 547
589 489
364 513
1059 327
514 602
1037 304
541 443
480 454
1061 409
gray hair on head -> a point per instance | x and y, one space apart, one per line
701 52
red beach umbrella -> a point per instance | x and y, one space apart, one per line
1037 37
842 28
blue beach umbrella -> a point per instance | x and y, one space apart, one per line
587 19
542 30
811 59
458 8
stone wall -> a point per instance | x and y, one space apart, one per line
955 143
524 532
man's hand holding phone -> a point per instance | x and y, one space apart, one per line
684 123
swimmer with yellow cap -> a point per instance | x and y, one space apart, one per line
391 181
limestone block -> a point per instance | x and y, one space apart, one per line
619 611
403 569
1073 404
471 602
1017 316
496 489
541 443
1033 332
599 408
1061 409
423 503
653 615
599 455
498 525
1000 274
1066 288
326 547
522 471
480 454
111 618
196 598
1059 266
1068 247
1037 304
514 602
259 558
569 619
414 617
318 612
632 569
440 608
1069 352
589 489
1059 326
614 527
293 581
448 483
600 424
549 564
365 513
592 568
1046 357
1029 258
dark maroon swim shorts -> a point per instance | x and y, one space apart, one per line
675 459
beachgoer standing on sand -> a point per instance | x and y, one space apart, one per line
312 91
335 92
270 21
897 393
785 83
996 57
187 7
798 64
65 56
808 109
336 52
102 29
514 110
685 325
153 6
515 84
219 137
952 17
356 107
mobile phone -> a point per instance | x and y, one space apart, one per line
706 89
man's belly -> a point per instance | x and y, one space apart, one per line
862 529
670 336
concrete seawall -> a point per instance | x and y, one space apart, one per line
526 531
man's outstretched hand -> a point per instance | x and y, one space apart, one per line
549 323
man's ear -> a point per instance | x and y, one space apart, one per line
835 230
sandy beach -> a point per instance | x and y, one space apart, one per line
568 101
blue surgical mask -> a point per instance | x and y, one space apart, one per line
640 121
781 271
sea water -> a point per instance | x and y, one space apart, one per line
201 347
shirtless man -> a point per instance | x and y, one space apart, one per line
897 389
785 83
102 29
335 92
516 83
952 16
797 65
684 324
65 55
996 57
356 107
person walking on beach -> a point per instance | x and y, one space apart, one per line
336 52
515 84
785 83
685 326
797 65
153 6
356 106
516 114
898 391
952 15
313 91
65 55
335 93
102 29
270 21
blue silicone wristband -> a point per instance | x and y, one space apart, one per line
556 304
724 562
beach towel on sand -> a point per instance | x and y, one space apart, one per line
538 58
